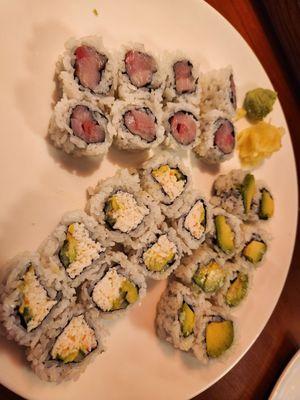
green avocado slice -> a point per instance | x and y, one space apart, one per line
224 234
266 206
254 251
187 320
237 290
248 191
219 337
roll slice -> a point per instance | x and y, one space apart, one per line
219 91
86 70
32 297
138 125
195 220
168 181
81 128
226 236
161 255
217 141
68 345
182 125
183 84
76 248
127 213
176 315
114 290
140 75
215 334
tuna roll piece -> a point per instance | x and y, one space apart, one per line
86 70
140 76
81 128
182 125
138 125
217 141
32 296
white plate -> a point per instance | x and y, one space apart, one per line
288 385
38 183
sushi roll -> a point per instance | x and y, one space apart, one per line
117 288
256 244
203 272
168 181
86 70
239 193
237 284
218 91
161 255
226 236
138 125
127 213
76 248
31 298
176 315
81 128
182 125
183 84
69 344
195 220
215 334
217 140
140 75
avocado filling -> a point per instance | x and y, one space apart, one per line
248 190
75 342
237 290
195 221
218 337
123 213
210 277
114 291
161 255
266 205
35 304
186 319
254 250
78 250
172 180
224 234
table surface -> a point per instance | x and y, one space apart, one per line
256 374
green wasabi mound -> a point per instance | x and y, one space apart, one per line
259 103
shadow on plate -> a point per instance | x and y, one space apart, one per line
211 169
16 353
127 159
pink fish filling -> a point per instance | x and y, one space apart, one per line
184 80
85 126
89 65
183 127
140 68
141 122
224 137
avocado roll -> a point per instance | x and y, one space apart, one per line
69 344
127 213
226 236
86 70
237 284
32 296
218 91
168 181
161 255
203 272
240 194
215 334
218 138
183 84
255 246
140 75
195 220
81 128
182 125
76 248
138 125
176 315
116 288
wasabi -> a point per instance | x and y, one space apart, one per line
259 103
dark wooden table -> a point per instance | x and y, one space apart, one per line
255 375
